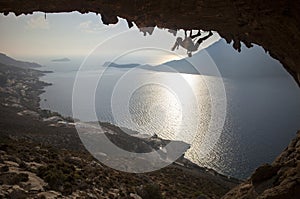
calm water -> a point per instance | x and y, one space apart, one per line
262 112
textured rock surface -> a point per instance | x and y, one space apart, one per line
30 170
279 180
275 25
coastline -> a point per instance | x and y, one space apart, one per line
23 121
182 161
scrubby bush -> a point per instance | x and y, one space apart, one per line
60 176
22 177
23 165
3 80
4 168
150 191
12 178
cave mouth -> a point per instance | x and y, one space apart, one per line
273 25
241 88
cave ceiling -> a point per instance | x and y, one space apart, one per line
274 25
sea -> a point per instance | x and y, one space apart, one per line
235 119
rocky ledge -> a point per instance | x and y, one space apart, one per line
279 180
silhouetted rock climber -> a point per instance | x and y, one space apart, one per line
188 42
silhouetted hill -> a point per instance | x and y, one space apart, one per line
4 59
251 62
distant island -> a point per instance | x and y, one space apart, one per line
61 60
115 65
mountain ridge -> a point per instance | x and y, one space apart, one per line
248 63
6 60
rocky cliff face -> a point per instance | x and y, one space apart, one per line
275 25
279 180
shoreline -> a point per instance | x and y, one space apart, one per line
28 122
182 161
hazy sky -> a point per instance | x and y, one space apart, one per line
75 34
